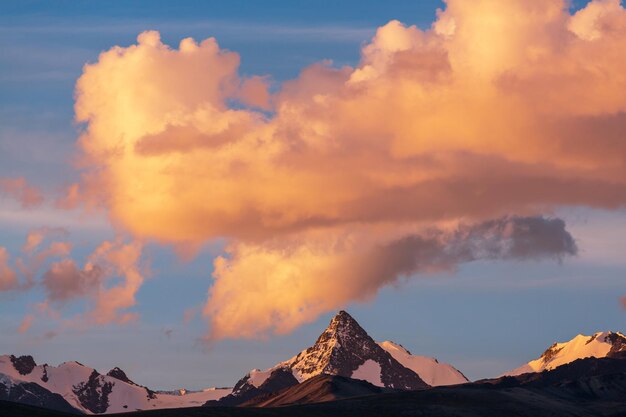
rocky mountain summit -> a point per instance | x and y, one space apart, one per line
345 349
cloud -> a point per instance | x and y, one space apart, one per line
65 281
36 237
30 265
22 275
107 281
501 108
254 92
26 323
71 199
18 188
277 286
8 278
189 314
111 302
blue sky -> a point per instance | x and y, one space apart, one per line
486 318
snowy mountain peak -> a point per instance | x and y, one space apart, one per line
339 350
345 349
343 320
598 345
343 328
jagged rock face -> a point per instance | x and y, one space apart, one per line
94 394
117 373
343 348
44 376
23 364
618 343
551 352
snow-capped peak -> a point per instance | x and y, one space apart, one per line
345 349
598 345
90 392
432 371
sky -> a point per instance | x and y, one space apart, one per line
188 210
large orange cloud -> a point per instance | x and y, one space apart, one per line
501 107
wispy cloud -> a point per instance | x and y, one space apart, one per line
236 29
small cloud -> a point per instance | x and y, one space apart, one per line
50 334
36 237
189 314
8 277
71 199
18 188
26 323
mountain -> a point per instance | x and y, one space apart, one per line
345 349
599 345
591 387
86 390
433 372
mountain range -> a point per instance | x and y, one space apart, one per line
344 364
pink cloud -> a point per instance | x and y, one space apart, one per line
8 277
19 189
26 323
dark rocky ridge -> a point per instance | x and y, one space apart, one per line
23 364
119 374
94 394
320 388
244 391
618 343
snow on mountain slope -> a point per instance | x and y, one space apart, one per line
599 345
369 371
92 393
432 371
